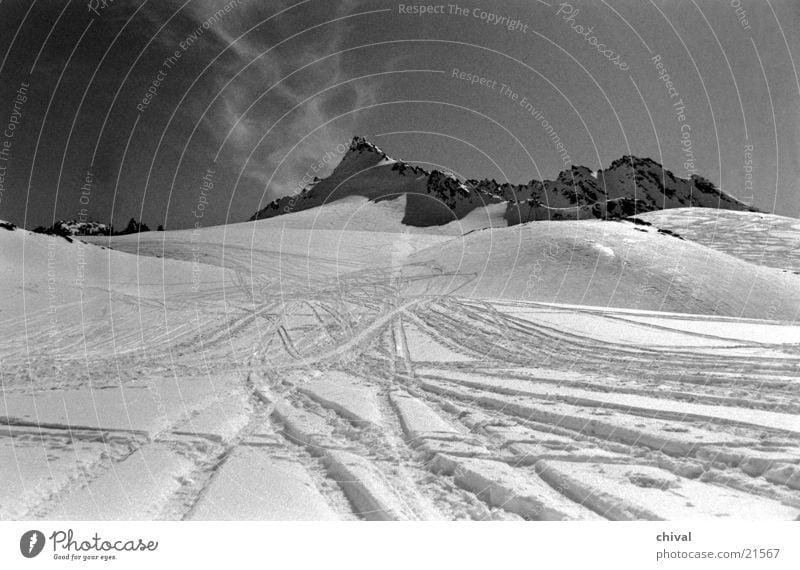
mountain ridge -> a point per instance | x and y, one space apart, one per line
630 185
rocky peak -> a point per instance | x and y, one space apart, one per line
361 144
631 161
630 184
445 186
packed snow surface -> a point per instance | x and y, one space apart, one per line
335 364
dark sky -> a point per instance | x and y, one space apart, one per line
256 94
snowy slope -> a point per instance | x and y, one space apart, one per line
73 300
605 264
312 367
763 239
297 250
51 270
616 264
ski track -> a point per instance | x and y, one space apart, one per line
509 417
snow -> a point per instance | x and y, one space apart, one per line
502 486
604 249
423 347
631 403
765 239
335 363
347 395
418 420
660 435
372 497
223 419
788 475
610 328
254 485
559 262
126 490
133 409
353 213
766 333
490 216
622 492
38 464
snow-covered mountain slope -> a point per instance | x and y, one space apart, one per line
260 371
362 214
592 262
628 186
431 198
763 239
76 298
616 264
54 270
291 256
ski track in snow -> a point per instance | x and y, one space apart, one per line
335 395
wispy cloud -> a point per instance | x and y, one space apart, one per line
256 81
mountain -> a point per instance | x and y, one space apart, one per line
385 354
76 228
432 198
629 186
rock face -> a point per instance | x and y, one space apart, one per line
629 186
76 228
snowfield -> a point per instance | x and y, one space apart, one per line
335 363
764 239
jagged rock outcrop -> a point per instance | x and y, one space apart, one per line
76 228
629 186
